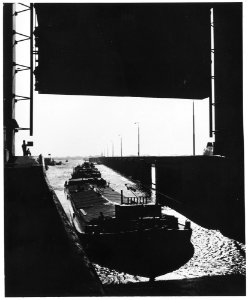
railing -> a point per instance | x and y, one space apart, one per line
134 200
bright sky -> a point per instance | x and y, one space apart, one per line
89 125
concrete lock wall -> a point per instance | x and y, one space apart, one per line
43 256
136 168
206 189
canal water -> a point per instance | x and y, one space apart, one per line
214 254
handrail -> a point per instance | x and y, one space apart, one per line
135 200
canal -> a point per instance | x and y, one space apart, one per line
214 254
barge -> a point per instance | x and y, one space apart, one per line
128 234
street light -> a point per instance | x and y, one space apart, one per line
112 148
121 144
138 138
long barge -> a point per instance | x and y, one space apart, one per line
129 234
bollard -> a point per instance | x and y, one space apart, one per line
121 196
187 225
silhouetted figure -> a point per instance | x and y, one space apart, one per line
24 148
209 150
28 152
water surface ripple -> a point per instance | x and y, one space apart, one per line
214 254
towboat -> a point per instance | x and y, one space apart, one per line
88 173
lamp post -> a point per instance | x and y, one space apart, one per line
112 148
138 138
121 144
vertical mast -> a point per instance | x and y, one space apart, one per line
121 146
212 92
9 72
31 69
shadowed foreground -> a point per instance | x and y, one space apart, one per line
230 285
42 256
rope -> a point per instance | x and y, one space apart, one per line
150 187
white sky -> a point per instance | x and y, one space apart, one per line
90 125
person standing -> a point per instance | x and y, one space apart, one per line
24 148
28 153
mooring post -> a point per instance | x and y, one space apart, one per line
121 196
